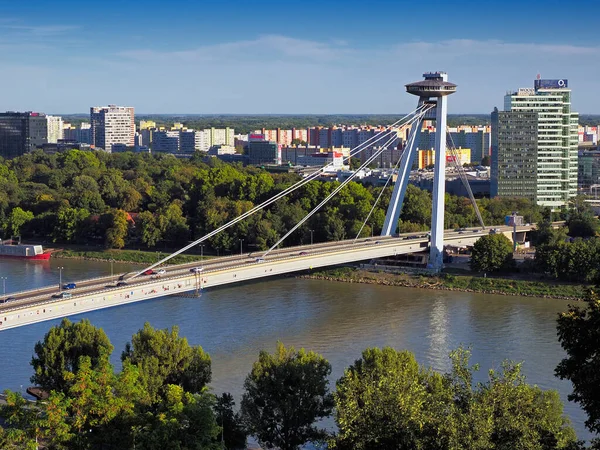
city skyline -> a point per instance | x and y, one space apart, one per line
268 58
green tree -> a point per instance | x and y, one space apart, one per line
382 401
23 420
61 349
163 358
387 401
181 421
524 416
117 228
416 207
69 222
84 417
147 227
233 434
579 335
16 220
582 225
285 393
173 225
492 253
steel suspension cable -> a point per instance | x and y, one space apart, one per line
463 176
286 191
408 147
341 186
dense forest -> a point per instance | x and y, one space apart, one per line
144 201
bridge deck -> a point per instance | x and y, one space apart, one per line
38 305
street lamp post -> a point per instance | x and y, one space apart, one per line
372 231
515 230
201 253
241 244
111 267
4 286
60 269
311 237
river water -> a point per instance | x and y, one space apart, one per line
338 320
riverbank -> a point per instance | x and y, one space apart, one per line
124 256
452 282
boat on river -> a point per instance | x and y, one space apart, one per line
9 249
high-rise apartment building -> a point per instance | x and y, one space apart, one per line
55 129
534 145
220 136
475 138
80 135
112 125
22 132
166 141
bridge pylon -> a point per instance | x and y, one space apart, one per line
432 91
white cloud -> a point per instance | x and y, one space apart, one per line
281 74
41 30
263 48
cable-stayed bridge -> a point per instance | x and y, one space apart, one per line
39 304
45 303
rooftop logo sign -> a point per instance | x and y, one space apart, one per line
551 84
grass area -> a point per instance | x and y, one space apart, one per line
132 256
506 286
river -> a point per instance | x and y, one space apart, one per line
338 320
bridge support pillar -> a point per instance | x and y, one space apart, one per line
436 249
433 90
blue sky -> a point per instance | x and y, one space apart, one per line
289 57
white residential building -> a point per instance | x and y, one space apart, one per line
55 129
112 125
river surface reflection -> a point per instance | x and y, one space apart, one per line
338 320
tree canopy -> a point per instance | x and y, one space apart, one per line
386 400
163 358
579 335
284 394
492 253
61 350
135 199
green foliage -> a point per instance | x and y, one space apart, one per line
91 407
163 358
382 401
581 220
233 433
82 417
182 421
417 206
179 200
386 400
492 253
16 220
285 393
576 260
116 226
61 349
148 229
69 224
23 421
579 335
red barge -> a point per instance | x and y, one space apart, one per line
23 251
